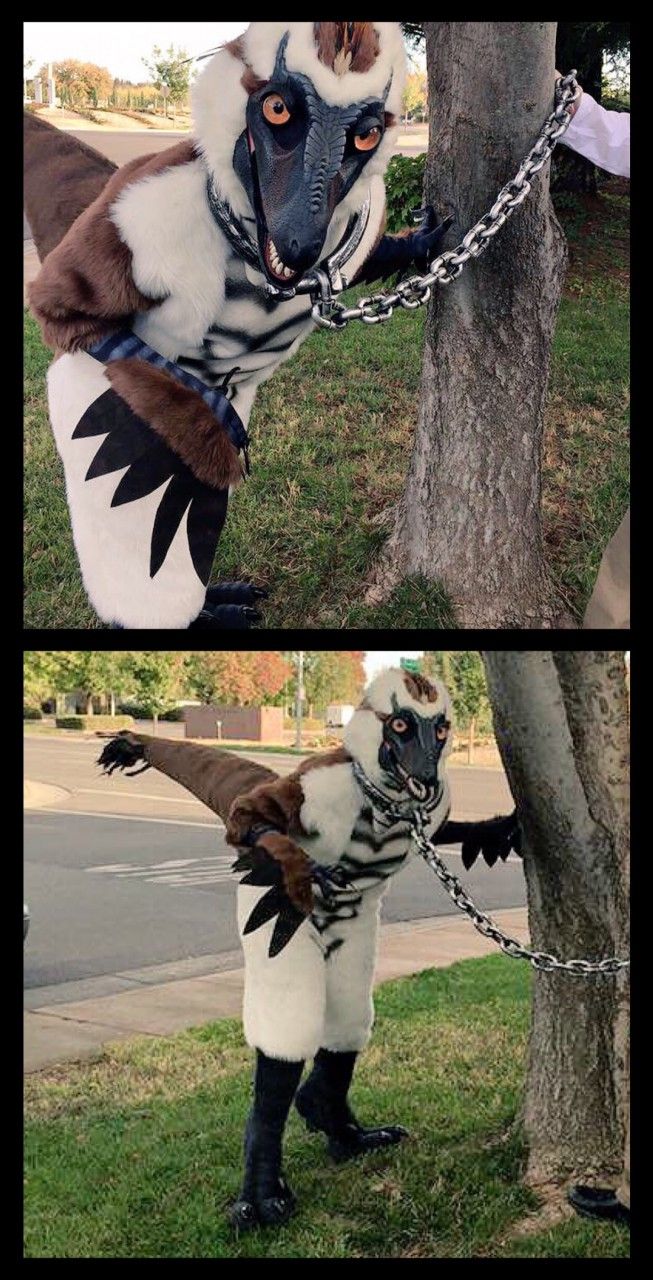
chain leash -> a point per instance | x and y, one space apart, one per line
414 292
486 926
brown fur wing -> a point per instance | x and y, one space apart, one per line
63 176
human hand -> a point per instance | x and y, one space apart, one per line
575 105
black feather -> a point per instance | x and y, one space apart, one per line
268 906
206 518
286 927
170 513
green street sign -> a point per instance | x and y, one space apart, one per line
410 664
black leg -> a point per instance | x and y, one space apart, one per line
322 1103
266 1198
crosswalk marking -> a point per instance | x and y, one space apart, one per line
175 872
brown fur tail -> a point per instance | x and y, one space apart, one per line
62 178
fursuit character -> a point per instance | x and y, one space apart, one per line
182 284
317 849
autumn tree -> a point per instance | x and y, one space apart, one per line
561 723
333 677
236 678
470 516
415 94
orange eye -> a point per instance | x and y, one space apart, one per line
441 733
275 109
369 140
398 725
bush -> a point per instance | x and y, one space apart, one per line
142 713
94 722
32 713
404 189
175 714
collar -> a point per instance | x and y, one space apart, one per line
407 811
247 248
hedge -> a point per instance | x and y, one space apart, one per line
94 722
32 713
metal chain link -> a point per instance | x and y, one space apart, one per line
414 292
486 926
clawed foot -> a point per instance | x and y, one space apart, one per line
347 1139
230 606
234 593
263 1211
334 887
226 617
357 1141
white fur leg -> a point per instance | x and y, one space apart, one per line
349 978
283 1007
113 543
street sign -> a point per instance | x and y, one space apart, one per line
410 664
165 90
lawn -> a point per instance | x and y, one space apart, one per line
332 433
137 1152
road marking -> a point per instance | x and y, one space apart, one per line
125 817
214 869
133 795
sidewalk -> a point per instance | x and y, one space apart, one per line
58 1032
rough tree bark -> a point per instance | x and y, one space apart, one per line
470 515
561 721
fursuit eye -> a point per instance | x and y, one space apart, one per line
367 141
275 109
398 725
441 733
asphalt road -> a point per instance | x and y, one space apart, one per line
121 147
124 874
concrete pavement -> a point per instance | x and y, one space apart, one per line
80 1028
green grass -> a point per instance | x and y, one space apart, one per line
138 1153
332 434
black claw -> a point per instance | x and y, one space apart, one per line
226 617
244 593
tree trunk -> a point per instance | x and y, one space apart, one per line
561 721
155 722
470 741
89 704
112 703
470 517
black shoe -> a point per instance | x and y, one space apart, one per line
347 1139
598 1202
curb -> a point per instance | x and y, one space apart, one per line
73 1030
38 795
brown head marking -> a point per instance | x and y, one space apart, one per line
346 46
419 688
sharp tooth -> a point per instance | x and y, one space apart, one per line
287 272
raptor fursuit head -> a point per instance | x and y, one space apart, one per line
317 851
177 291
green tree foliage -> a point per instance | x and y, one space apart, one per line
404 187
41 674
157 679
464 675
169 69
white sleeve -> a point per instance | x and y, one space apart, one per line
601 136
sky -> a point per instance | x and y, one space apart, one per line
119 46
377 659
